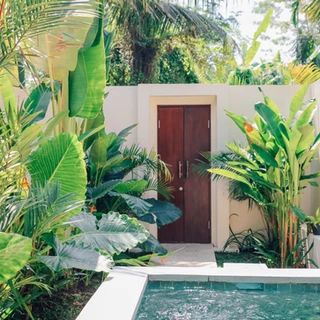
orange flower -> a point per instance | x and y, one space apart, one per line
25 183
248 127
93 209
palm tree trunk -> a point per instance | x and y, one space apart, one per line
143 64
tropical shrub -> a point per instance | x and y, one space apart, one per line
119 178
45 225
41 218
272 170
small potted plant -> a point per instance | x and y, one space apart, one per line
314 222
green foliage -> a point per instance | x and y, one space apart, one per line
176 67
120 176
88 80
113 233
15 251
255 45
143 27
38 102
59 160
271 169
72 256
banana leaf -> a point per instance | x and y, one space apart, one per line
87 82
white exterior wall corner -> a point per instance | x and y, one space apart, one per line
127 105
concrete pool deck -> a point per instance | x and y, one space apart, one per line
120 295
187 255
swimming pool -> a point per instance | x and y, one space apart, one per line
237 291
167 300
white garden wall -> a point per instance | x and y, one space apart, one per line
138 104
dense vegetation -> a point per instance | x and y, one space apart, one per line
73 196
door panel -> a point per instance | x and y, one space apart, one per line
182 135
196 188
170 148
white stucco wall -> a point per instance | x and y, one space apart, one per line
127 105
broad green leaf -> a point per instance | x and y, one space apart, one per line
60 160
264 24
294 139
137 205
132 186
253 49
100 146
114 232
237 119
98 151
272 119
92 124
38 102
161 213
243 164
126 131
266 156
88 134
87 82
101 190
272 105
9 98
230 175
297 102
307 115
307 138
251 52
15 251
69 256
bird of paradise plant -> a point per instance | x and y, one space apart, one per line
272 169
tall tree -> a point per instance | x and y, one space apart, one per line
145 25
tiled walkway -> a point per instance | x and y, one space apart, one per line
187 255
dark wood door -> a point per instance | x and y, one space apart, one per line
184 132
170 148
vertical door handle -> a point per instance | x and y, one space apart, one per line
187 169
180 169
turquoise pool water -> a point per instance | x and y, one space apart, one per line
227 301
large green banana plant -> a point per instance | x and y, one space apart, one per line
273 169
69 55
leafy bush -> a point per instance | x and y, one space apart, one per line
272 169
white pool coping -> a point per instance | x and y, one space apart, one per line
118 298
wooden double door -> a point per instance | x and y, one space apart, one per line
184 132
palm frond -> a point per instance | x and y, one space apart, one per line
302 74
149 162
22 20
312 9
159 17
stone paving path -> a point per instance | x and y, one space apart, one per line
187 255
